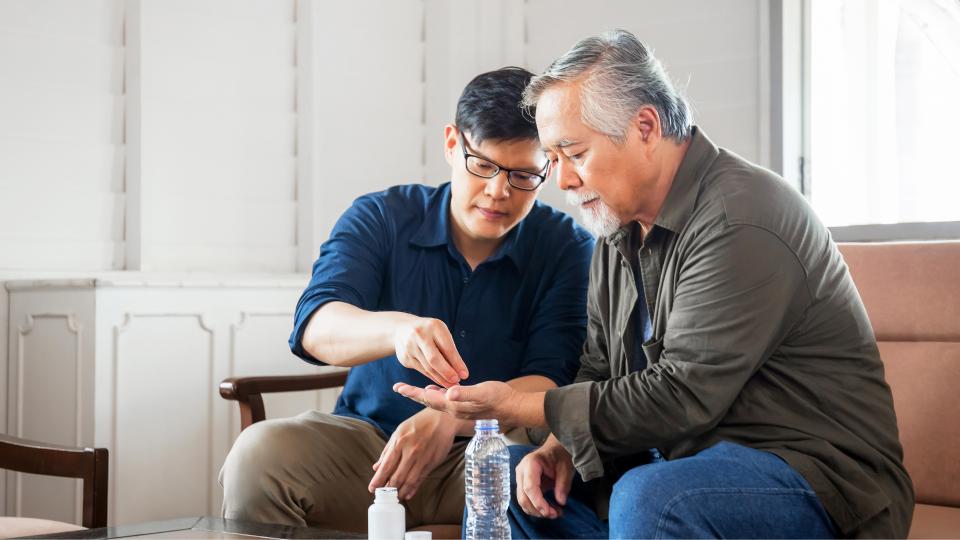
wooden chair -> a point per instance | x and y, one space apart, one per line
248 393
87 464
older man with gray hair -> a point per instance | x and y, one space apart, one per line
730 384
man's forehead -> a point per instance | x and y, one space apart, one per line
558 113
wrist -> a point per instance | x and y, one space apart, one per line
526 409
397 322
553 447
444 422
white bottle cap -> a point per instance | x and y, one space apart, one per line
418 535
386 495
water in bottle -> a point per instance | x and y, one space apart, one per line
487 474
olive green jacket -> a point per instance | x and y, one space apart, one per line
759 338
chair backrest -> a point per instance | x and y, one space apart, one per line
912 295
87 464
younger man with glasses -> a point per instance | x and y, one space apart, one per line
467 282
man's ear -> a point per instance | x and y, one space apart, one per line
647 124
450 136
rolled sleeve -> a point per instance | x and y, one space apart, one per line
558 323
350 267
567 410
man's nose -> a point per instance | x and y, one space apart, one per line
567 178
498 187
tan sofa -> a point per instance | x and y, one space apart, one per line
912 294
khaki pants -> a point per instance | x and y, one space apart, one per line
314 469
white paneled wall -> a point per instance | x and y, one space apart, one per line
61 134
214 118
368 84
131 363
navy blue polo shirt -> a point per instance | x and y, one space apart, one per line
521 312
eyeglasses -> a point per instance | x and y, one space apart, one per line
484 168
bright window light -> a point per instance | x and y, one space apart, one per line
884 110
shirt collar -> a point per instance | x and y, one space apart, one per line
685 189
435 230
683 193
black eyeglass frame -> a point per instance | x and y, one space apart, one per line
542 175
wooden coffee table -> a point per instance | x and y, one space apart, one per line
204 527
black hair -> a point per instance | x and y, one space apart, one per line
489 107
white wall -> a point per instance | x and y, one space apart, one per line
213 125
61 134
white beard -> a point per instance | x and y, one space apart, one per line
599 218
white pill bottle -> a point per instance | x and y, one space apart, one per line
386 519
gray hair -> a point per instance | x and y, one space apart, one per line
619 77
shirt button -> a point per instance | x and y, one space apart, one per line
463 333
466 280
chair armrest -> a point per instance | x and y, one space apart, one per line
248 391
239 388
87 464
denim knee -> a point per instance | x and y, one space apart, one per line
636 502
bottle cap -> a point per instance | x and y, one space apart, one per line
487 424
386 495
418 535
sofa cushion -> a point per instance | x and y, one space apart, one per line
11 527
931 521
924 378
912 294
911 290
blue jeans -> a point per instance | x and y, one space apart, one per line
725 491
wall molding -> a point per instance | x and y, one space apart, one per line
118 330
75 328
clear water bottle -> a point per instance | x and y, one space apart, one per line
487 474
